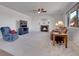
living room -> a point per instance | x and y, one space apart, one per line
30 24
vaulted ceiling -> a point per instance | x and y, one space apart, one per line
53 8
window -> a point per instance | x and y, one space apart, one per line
73 20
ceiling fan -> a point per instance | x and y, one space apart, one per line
40 10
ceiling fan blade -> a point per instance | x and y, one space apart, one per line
34 11
38 9
44 11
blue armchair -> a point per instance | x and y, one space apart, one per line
7 35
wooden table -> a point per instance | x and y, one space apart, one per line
61 35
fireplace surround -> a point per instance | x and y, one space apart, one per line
44 28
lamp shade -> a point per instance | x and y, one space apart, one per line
60 24
56 24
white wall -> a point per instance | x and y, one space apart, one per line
8 17
36 21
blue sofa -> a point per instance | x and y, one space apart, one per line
7 35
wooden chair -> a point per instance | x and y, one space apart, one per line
58 38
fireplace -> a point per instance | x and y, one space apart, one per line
44 28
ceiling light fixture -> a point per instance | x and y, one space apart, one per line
40 10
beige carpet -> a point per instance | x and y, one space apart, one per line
37 44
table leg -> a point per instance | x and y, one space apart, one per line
53 40
65 41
